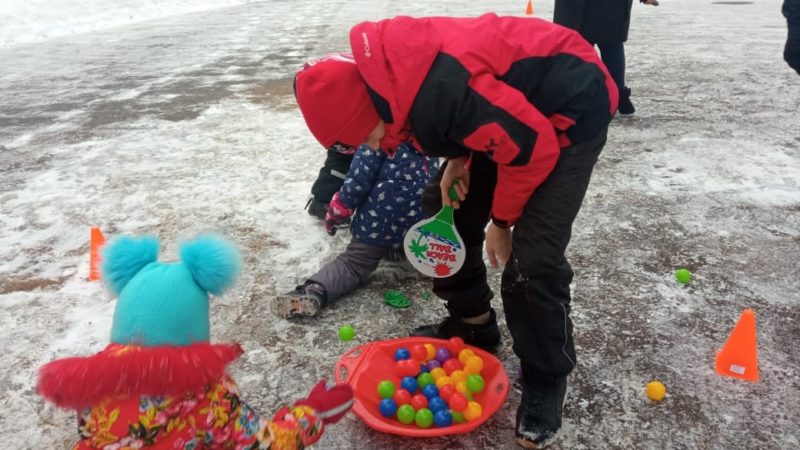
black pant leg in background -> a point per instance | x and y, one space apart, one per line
331 176
535 284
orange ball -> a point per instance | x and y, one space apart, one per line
461 387
474 364
473 411
438 373
458 375
463 355
443 381
431 351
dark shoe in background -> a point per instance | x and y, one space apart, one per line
625 105
485 336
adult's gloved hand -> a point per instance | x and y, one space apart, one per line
337 214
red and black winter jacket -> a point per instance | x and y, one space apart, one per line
517 88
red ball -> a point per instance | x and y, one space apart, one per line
419 352
400 368
455 344
410 367
402 397
446 391
458 402
419 401
452 365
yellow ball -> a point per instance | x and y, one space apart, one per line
655 390
431 351
474 364
463 355
461 387
458 375
438 373
441 381
473 411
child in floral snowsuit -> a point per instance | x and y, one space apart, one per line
384 192
160 383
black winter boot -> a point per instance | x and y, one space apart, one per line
303 301
485 336
625 106
539 412
316 209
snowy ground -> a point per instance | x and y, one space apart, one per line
184 124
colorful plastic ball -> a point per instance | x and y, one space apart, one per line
402 397
424 379
458 402
474 364
419 401
401 354
386 389
464 354
424 418
434 364
451 365
473 411
684 276
406 414
409 384
442 355
442 418
475 383
430 391
447 391
438 373
431 351
388 407
458 417
461 387
458 376
443 381
655 390
437 404
455 344
406 367
419 352
346 333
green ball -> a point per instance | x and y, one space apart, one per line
386 389
346 333
406 414
424 418
458 417
424 379
475 383
684 276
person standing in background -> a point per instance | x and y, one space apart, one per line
604 23
791 51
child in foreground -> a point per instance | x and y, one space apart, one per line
160 383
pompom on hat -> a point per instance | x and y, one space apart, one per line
166 303
335 103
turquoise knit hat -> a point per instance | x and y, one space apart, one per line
166 303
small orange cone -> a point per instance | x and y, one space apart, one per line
738 358
529 8
96 241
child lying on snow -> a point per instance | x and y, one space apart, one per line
384 192
160 383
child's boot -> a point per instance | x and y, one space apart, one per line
625 105
303 301
485 335
539 412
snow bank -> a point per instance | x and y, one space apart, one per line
26 21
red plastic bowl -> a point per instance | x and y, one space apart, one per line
365 366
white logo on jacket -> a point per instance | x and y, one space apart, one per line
367 53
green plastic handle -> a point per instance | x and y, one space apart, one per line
452 191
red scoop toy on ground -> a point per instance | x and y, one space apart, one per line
447 387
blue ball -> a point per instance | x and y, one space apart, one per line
443 418
430 391
388 407
423 368
437 404
409 384
401 354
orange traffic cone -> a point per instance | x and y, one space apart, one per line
529 8
96 241
738 358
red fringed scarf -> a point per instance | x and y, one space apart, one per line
126 371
